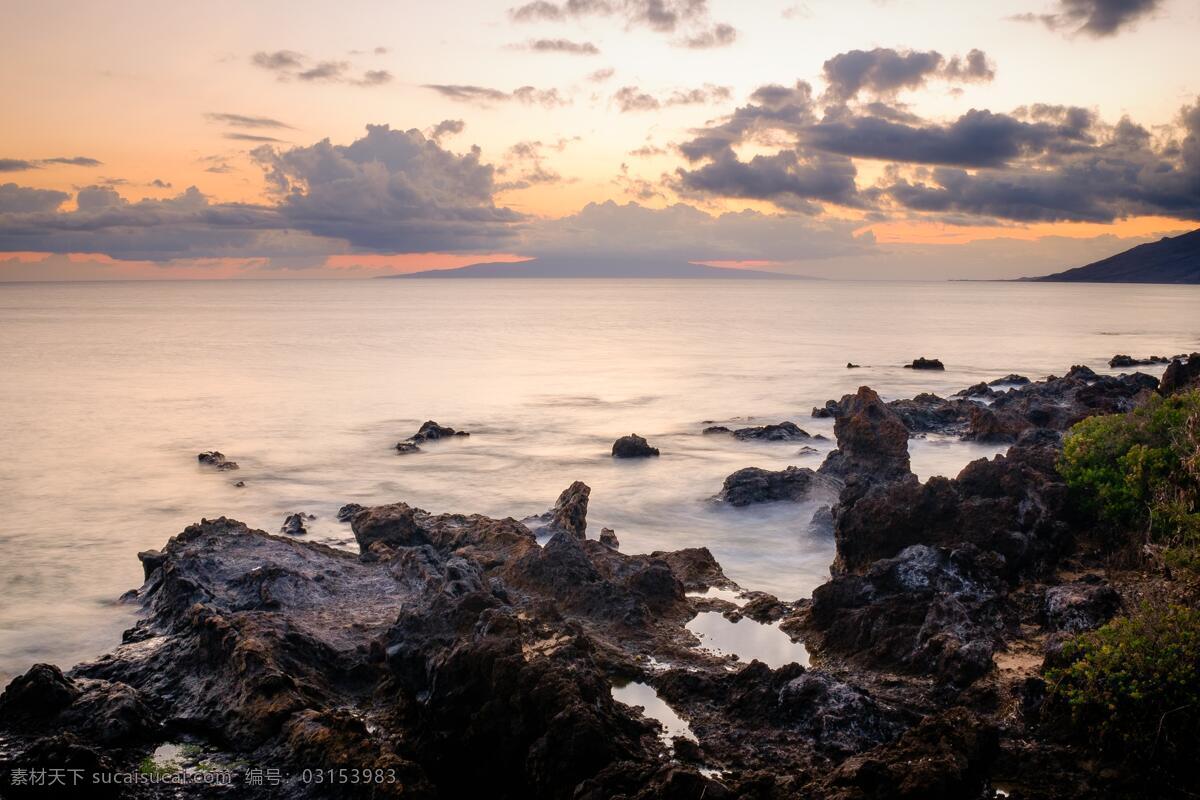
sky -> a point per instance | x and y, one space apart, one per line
859 139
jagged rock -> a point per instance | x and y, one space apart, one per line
928 413
782 432
755 485
569 513
293 525
822 521
608 538
978 390
925 363
151 560
945 757
633 446
406 447
1011 378
872 440
807 450
1078 607
851 365
1012 504
346 513
215 458
1181 375
929 610
826 411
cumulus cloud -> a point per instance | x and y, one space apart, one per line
1097 18
485 96
1038 162
884 71
391 190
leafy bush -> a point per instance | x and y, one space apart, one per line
1133 685
1141 470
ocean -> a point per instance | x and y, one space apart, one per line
109 390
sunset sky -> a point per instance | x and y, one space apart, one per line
856 138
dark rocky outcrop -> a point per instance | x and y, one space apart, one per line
781 432
347 512
633 446
429 431
1079 606
294 525
715 429
755 485
215 458
608 538
1181 375
872 441
569 513
1129 361
925 363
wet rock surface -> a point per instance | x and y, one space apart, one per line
429 431
756 485
925 363
1181 375
781 432
633 446
215 458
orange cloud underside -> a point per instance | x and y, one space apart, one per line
918 232
417 262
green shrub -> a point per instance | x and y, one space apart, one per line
1133 685
1141 470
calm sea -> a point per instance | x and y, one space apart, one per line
108 391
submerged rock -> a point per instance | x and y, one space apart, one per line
294 524
715 429
215 458
1129 361
633 446
429 431
781 432
925 363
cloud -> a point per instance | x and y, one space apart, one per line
601 75
390 190
720 35
245 121
884 71
251 137
446 128
527 159
22 164
1096 18
662 16
560 46
789 179
485 96
632 99
288 64
159 183
16 199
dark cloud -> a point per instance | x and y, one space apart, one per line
391 190
22 164
245 121
787 178
325 71
884 71
16 199
631 98
16 165
719 35
1096 18
159 183
373 77
561 46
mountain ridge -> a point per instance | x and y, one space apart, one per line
1170 260
594 267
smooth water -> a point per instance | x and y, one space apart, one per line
108 392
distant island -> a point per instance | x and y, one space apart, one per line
594 267
1172 259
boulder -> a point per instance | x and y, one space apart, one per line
1129 361
608 538
293 525
633 446
346 513
214 458
781 432
755 485
1181 375
1080 606
872 440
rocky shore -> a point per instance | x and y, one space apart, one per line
456 656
